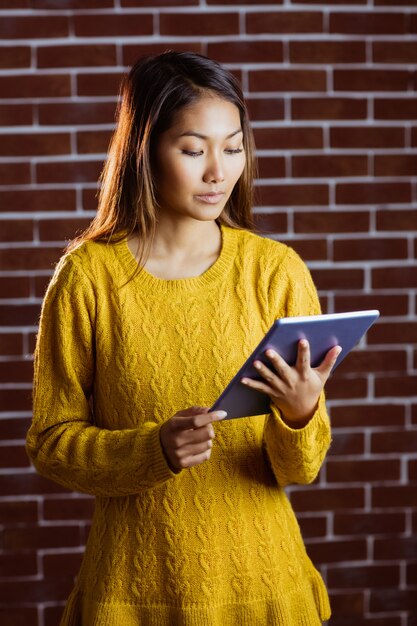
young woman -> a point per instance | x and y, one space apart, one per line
148 316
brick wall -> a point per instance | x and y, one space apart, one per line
332 93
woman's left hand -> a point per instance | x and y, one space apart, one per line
295 390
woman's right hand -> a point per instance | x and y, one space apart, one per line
187 437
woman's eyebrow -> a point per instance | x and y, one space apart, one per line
191 133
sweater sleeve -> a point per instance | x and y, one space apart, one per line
63 442
296 455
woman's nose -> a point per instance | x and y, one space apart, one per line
214 172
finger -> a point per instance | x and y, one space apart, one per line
280 366
303 357
266 373
187 422
192 460
258 385
194 449
194 436
328 362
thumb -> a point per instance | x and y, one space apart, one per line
328 362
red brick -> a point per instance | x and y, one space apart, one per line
62 230
15 115
246 51
240 2
399 496
16 371
77 113
396 386
412 574
87 55
342 470
395 277
16 230
363 576
14 286
99 84
328 108
265 22
386 304
335 279
36 86
393 600
18 512
330 221
401 441
365 415
15 427
271 167
207 24
396 165
288 138
338 387
68 172
15 400
328 499
308 249
35 144
370 80
113 25
366 137
132 52
329 165
68 562
14 174
328 52
48 590
392 332
367 23
395 108
373 193
40 537
292 195
38 26
19 314
29 258
37 200
313 526
41 283
265 108
346 443
12 564
395 547
369 523
367 360
27 484
348 605
270 223
333 551
71 4
412 470
287 80
10 344
93 141
14 56
371 248
396 52
161 3
77 508
89 199
19 616
396 219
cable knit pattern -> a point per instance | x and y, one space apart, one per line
215 545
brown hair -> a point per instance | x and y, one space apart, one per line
155 89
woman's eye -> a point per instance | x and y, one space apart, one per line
191 153
236 151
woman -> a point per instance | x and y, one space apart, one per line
147 318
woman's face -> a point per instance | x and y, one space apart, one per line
199 160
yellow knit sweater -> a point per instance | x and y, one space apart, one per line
215 545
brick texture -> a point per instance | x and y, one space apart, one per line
331 88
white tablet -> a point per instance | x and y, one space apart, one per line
323 333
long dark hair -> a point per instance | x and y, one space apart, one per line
155 89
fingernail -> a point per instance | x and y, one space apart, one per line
271 353
244 381
257 365
220 414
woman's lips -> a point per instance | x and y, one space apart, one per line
210 198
